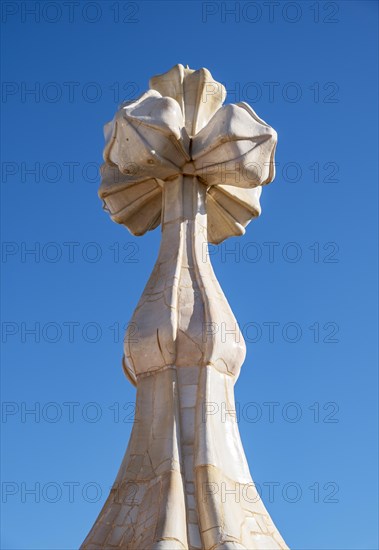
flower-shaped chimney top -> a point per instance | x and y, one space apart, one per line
180 126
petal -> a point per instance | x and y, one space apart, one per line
235 148
197 93
230 209
145 137
135 204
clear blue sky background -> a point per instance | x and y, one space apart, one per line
322 59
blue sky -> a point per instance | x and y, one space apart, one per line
301 281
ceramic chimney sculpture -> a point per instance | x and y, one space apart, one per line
178 157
